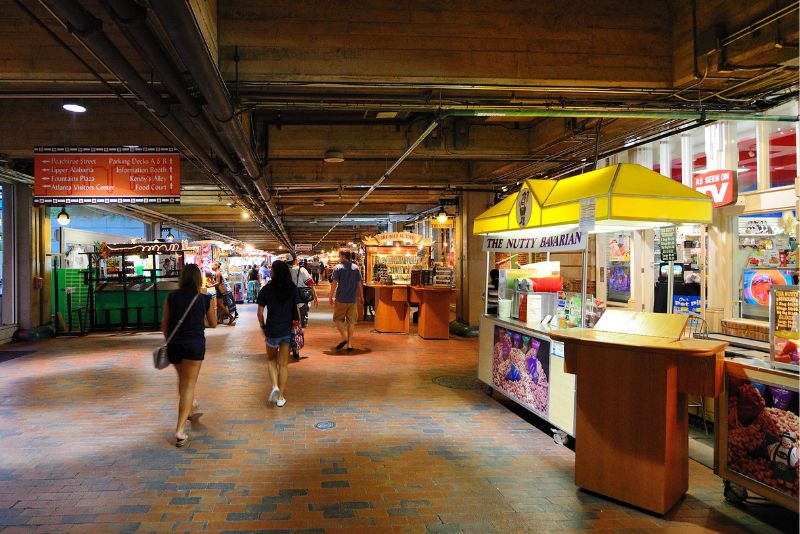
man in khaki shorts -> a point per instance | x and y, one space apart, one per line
347 291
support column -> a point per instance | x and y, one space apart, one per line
23 201
721 153
665 158
686 159
471 272
762 156
643 155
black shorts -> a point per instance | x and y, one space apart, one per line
177 351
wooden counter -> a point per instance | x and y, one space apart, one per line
631 420
434 311
391 308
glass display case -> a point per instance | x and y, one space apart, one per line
765 256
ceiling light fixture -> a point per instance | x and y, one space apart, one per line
63 217
333 156
245 215
73 105
318 203
441 216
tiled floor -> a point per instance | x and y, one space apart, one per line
86 446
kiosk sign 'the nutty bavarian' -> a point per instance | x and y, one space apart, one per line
107 175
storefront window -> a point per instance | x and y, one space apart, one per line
766 255
782 153
747 170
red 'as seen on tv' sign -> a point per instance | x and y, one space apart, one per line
719 185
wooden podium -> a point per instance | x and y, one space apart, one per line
434 311
391 309
633 377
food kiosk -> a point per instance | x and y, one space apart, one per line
525 359
398 275
127 283
757 418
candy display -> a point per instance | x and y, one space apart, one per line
520 367
763 435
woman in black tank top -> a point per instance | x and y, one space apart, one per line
187 348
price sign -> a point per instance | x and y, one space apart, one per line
786 309
784 326
668 250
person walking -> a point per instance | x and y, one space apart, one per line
224 299
253 284
281 299
303 280
263 273
316 268
347 294
187 348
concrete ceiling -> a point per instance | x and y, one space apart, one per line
367 78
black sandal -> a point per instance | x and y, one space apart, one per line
341 345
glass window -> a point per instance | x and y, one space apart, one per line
782 153
747 170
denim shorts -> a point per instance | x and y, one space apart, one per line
276 342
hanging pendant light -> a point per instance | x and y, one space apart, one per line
63 217
442 215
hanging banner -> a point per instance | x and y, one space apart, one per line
719 185
588 217
303 247
106 175
573 240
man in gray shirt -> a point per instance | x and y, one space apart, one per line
347 291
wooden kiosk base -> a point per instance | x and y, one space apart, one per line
391 309
434 311
631 421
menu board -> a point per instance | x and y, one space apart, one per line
107 175
783 326
667 242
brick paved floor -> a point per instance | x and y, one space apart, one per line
86 446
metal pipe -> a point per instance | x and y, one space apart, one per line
180 25
760 23
432 126
677 115
132 20
87 28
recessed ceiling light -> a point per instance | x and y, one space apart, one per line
333 156
73 105
319 203
583 159
130 146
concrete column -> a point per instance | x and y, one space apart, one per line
665 157
471 275
686 159
23 252
643 156
762 156
9 255
721 153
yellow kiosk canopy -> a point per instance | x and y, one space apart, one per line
625 194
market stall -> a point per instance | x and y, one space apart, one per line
390 257
758 420
127 283
549 218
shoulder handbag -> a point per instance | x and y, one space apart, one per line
160 359
298 340
306 294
